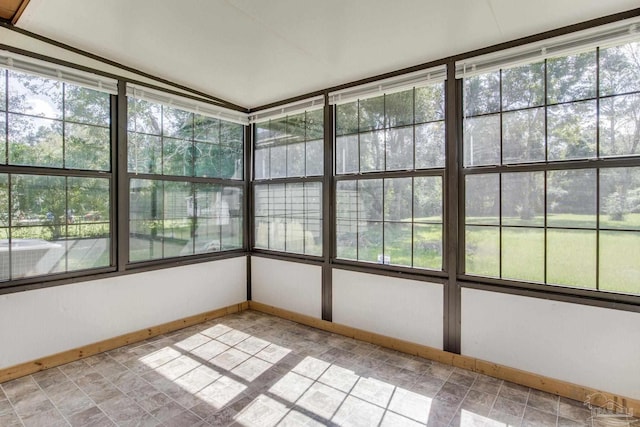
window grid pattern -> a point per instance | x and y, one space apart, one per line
288 183
396 217
55 196
534 211
184 171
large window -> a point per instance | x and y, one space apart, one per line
55 176
389 165
185 194
289 166
552 173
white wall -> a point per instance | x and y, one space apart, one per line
590 346
407 309
47 321
292 286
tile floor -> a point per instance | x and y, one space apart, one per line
252 369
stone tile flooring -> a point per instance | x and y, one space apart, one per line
252 369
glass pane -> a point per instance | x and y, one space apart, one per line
277 215
523 86
178 221
145 153
347 154
571 78
523 136
523 254
482 140
278 129
34 95
347 239
371 113
482 251
619 71
399 149
371 199
571 258
430 145
145 117
295 216
232 161
398 108
211 214
619 267
372 151
482 94
296 128
232 135
347 203
427 199
206 129
620 198
261 163
429 103
207 159
427 246
295 159
314 158
34 141
571 198
619 125
262 133
523 198
177 123
261 212
347 118
370 242
482 199
232 234
145 219
315 124
40 217
278 161
398 194
86 106
87 147
3 139
177 157
572 130
88 227
397 243
313 218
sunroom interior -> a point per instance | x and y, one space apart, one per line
459 182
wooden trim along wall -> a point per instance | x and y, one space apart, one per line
528 379
538 382
58 359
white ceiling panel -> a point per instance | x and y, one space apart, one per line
253 52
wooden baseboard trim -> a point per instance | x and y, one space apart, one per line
528 379
58 359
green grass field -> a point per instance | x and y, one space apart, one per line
571 255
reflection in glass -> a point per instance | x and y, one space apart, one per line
144 153
87 147
314 158
278 162
86 106
571 78
347 154
34 95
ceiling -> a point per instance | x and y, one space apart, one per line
254 52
